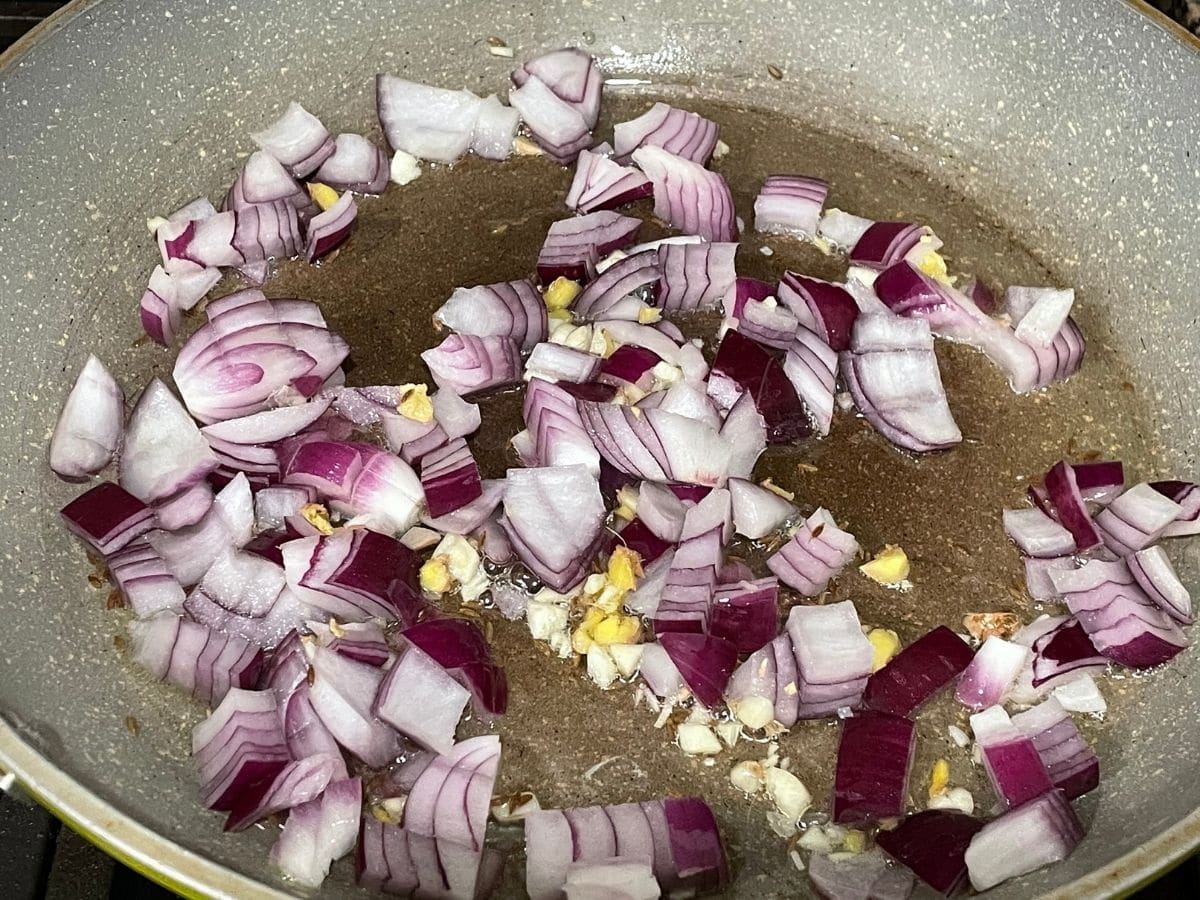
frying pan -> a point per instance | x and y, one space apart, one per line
1072 124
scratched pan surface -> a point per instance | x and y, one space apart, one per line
1048 144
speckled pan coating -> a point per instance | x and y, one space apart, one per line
1075 123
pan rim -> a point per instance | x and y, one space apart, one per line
192 875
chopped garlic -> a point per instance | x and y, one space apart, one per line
617 629
624 568
854 841
981 626
748 776
720 150
627 501
781 824
405 168
766 251
420 538
955 798
505 52
600 667
545 618
415 403
507 810
884 645
729 732
797 859
791 797
577 337
648 315
815 839
435 576
753 712
889 567
626 657
154 223
939 777
389 811
559 316
776 489
959 736
561 293
665 374
317 516
463 565
523 146
697 740
322 194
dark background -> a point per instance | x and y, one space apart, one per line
40 859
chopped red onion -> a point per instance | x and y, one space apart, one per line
240 744
360 479
450 478
873 759
893 375
329 229
275 504
884 244
298 782
1040 832
1071 763
811 367
1100 481
429 122
817 552
685 398
467 364
601 183
769 324
342 692
203 662
451 797
318 833
790 204
573 247
1036 534
678 131
829 645
917 672
297 139
688 196
644 599
474 515
745 431
555 428
460 647
1062 489
285 614
696 276
146 584
613 877
422 701
356 165
635 276
1152 570
364 642
164 451
705 662
631 365
558 96
554 516
268 426
655 445
989 674
511 309
661 511
264 179
1187 495
933 844
1135 519
1012 761
743 365
1122 622
189 552
742 291
160 318
862 876
842 229
658 671
107 517
756 511
495 129
556 362
746 613
1060 652
1039 315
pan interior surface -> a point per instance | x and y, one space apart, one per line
1080 146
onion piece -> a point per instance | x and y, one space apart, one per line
613 877
933 844
1122 622
555 428
107 518
239 744
863 876
297 139
884 244
1062 488
329 229
842 229
746 613
554 516
917 672
1152 570
1036 534
816 553
319 832
342 692
558 95
601 183
298 782
1041 323
687 195
696 276
356 165
1012 761
450 478
1135 519
742 291
644 599
264 179
145 583
657 446
511 309
422 701
275 504
189 552
990 673
1040 832
678 131
790 204
705 661
285 614
874 755
495 128
893 375
164 452
757 512
268 426
363 642
189 655
742 365
573 247
811 367
829 645
1070 762
1187 495
428 122
474 515
555 362
661 511
1060 652
1101 480
467 364
635 276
